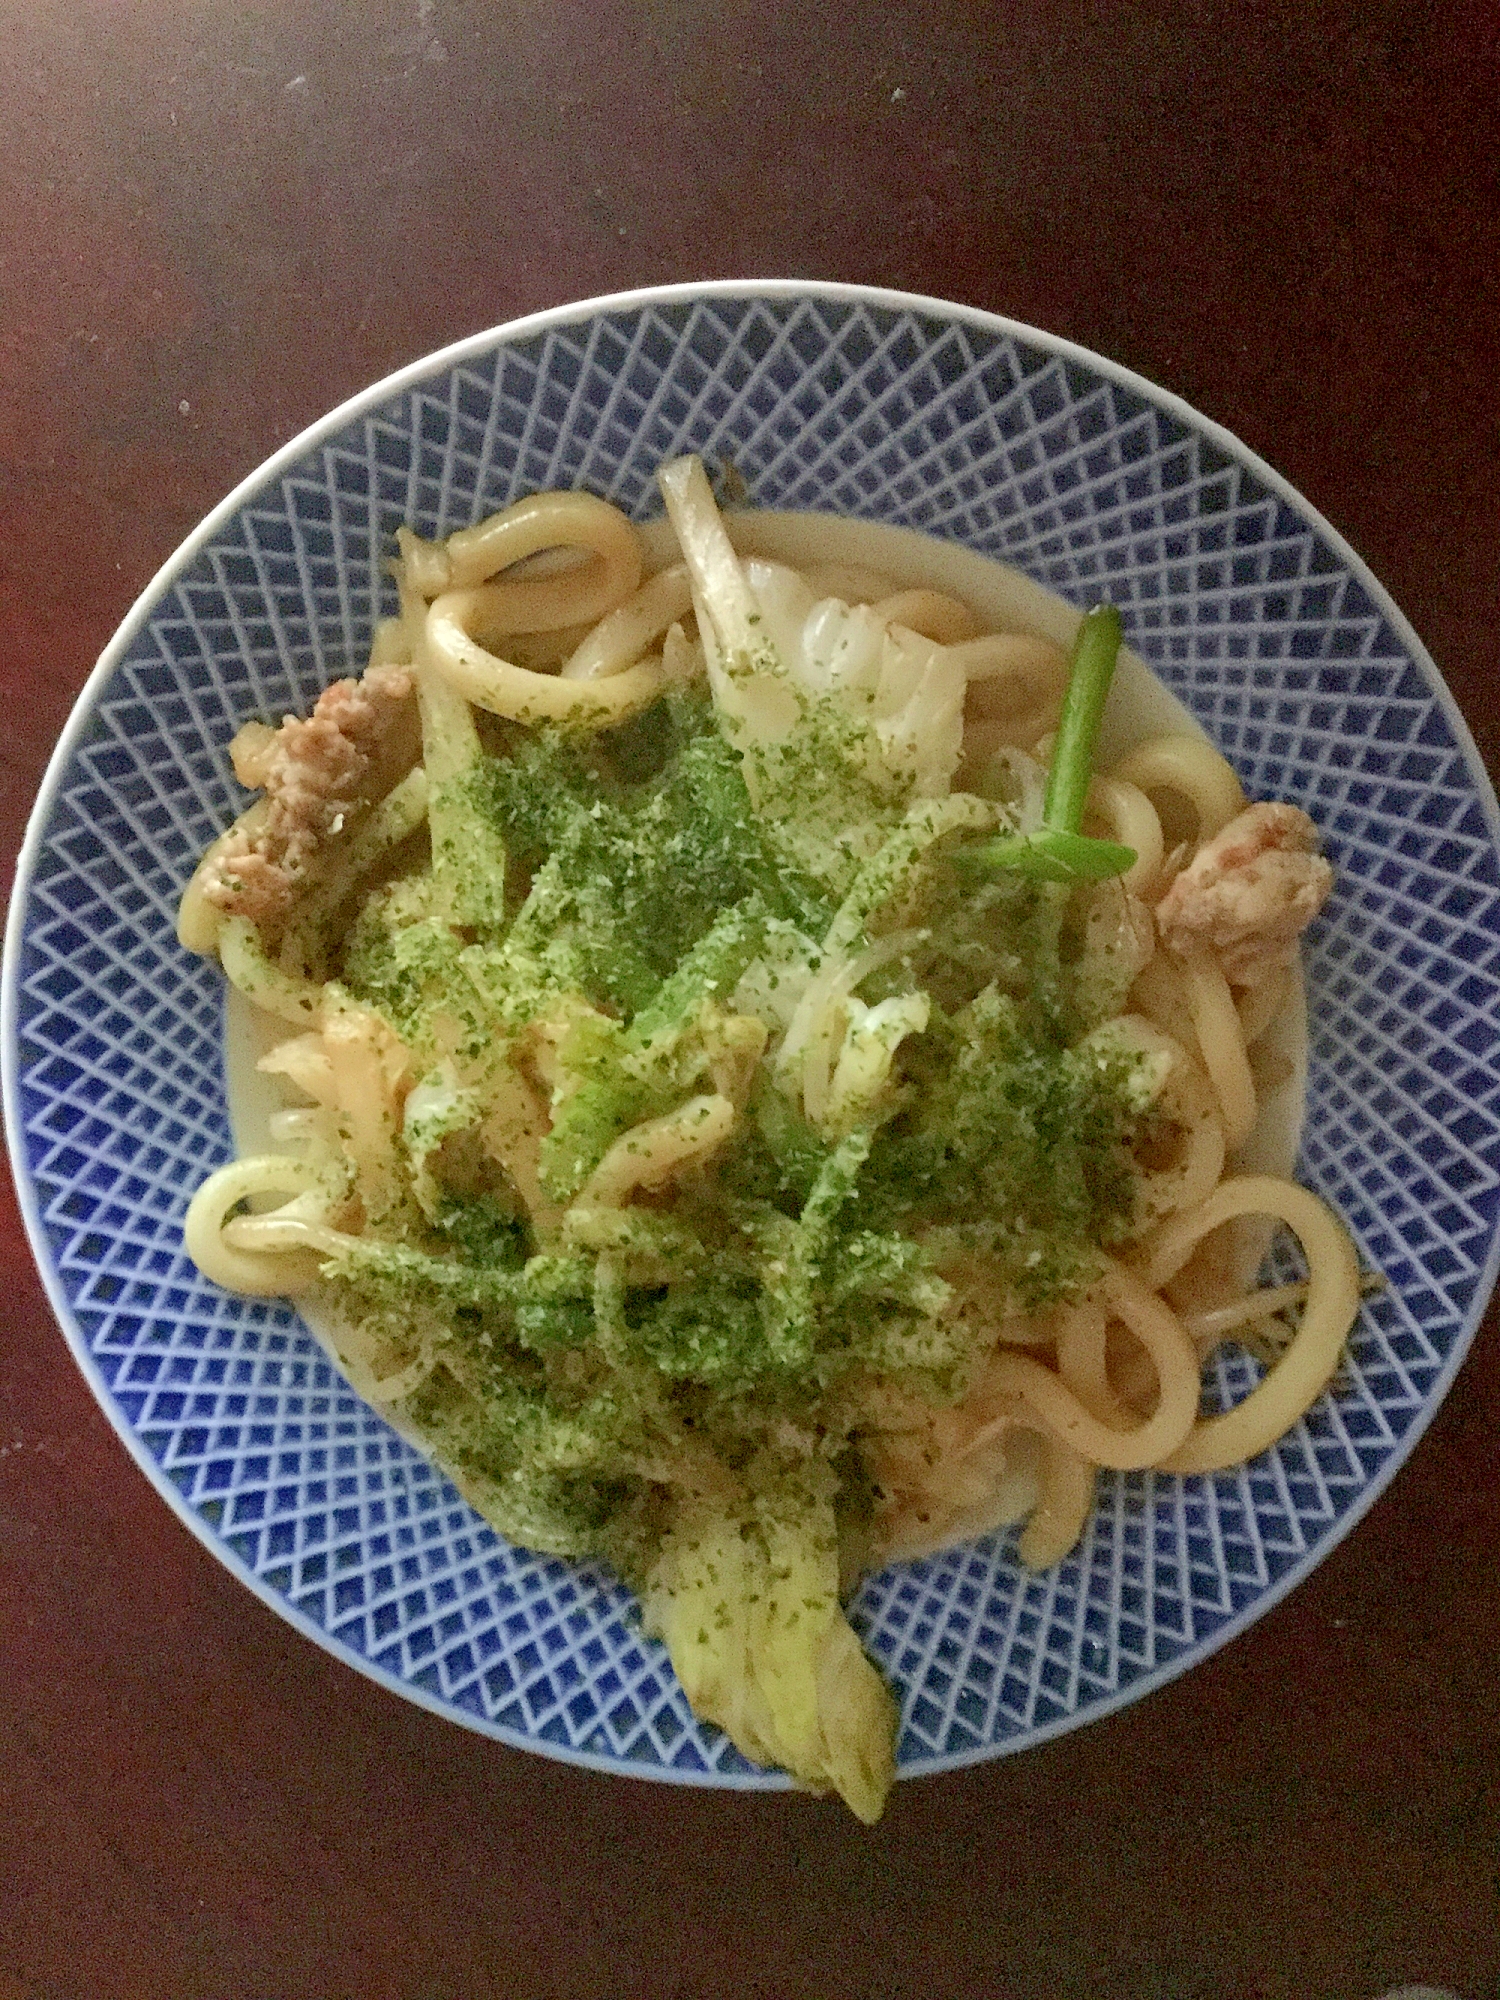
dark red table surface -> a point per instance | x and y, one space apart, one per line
218 221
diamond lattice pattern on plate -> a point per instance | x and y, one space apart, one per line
1246 611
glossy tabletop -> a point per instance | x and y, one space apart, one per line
220 221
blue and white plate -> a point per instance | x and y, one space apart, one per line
843 400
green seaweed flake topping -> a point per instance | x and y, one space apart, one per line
643 897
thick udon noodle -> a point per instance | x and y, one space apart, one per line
1111 1380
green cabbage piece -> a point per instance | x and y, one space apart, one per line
746 1601
627 1074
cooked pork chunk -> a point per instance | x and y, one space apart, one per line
1249 893
313 773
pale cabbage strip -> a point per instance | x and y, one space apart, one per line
774 649
748 1607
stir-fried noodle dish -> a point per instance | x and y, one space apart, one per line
757 1102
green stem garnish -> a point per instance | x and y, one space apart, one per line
1058 851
